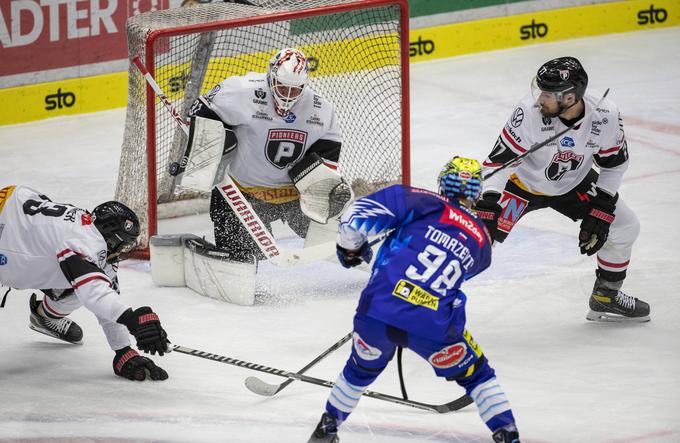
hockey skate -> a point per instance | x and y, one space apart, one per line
64 328
505 436
326 431
609 304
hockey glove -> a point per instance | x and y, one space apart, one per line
144 324
595 225
351 258
489 211
128 364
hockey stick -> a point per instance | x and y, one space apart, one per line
234 197
548 141
451 406
260 387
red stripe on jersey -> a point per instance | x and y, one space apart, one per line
89 279
489 164
614 149
66 252
613 265
512 141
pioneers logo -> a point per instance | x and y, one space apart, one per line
651 16
533 30
563 162
59 100
420 47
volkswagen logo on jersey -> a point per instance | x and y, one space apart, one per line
290 118
3 260
517 117
567 142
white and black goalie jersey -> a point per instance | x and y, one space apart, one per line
48 245
268 144
558 167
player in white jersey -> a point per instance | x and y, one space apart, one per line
563 176
279 127
71 256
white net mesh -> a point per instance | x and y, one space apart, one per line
355 55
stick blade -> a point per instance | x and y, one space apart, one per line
260 387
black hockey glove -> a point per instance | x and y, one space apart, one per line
351 258
595 225
144 324
128 364
489 211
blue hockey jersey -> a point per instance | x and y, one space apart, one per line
435 245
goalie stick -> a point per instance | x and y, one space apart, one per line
260 387
451 406
547 141
234 197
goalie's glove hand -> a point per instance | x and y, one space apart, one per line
129 364
351 258
339 198
489 210
595 225
144 324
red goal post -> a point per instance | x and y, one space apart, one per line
358 52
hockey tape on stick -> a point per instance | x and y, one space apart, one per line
548 141
451 406
260 387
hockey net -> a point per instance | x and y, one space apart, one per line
358 53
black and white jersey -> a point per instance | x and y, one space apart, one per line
48 245
558 167
268 144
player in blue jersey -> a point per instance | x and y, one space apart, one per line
413 298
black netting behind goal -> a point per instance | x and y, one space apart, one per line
356 61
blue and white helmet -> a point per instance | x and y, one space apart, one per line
287 77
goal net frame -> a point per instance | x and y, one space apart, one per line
151 99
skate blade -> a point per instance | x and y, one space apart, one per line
608 317
49 333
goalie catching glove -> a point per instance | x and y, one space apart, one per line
323 192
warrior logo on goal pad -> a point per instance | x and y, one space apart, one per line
285 146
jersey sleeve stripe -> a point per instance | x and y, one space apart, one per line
612 265
513 143
80 281
489 164
66 253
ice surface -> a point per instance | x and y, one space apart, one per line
568 380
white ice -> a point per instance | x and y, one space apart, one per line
568 380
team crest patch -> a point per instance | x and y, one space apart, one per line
128 225
561 163
448 356
290 118
285 146
365 351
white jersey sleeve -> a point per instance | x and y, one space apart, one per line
612 155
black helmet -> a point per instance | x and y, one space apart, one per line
561 75
119 226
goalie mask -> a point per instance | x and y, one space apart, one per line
461 178
287 77
119 226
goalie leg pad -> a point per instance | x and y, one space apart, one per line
209 272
